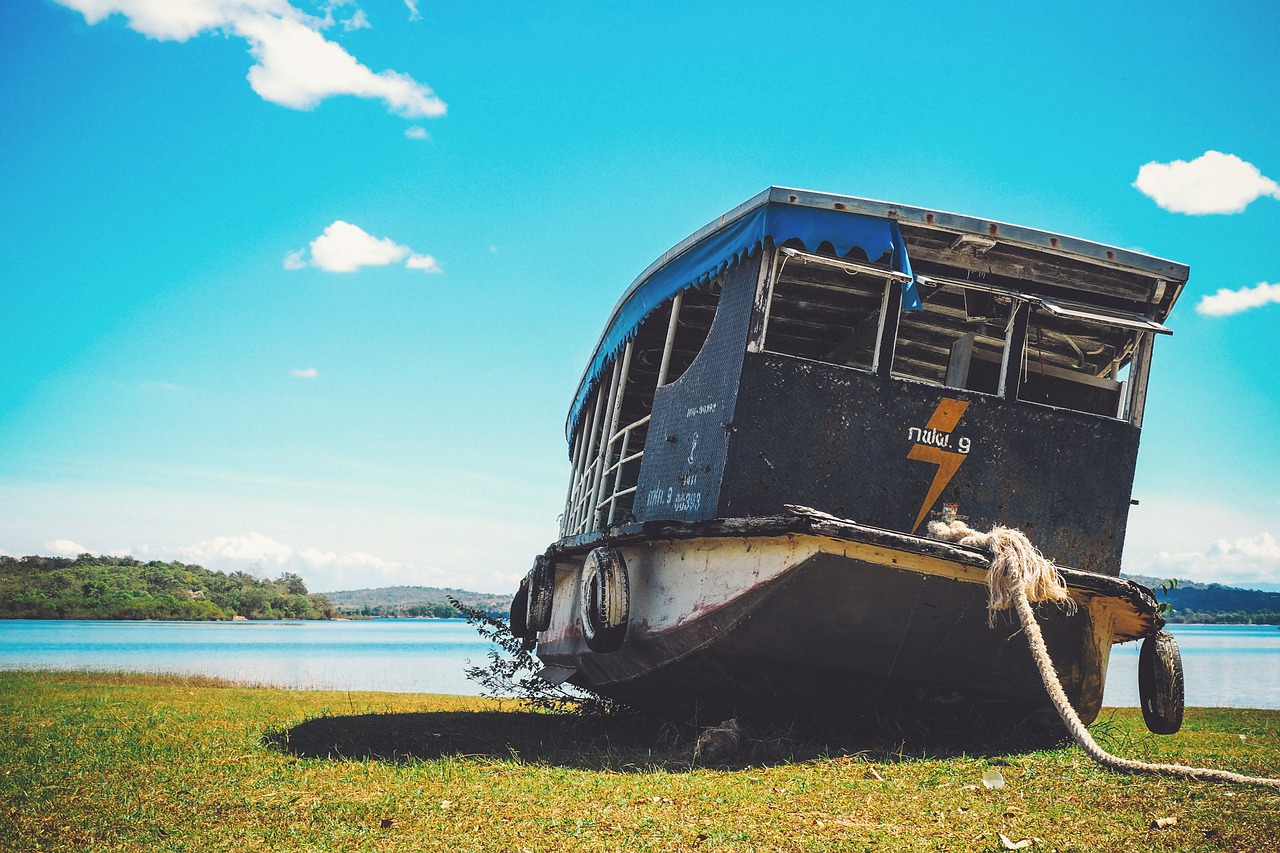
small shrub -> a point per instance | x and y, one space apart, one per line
513 672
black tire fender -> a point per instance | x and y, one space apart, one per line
519 609
605 599
1160 683
542 588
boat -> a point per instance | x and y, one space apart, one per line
777 408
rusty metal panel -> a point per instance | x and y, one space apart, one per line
833 633
890 454
687 443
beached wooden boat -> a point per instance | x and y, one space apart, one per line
778 406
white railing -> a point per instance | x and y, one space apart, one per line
602 451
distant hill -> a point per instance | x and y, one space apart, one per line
1214 603
402 601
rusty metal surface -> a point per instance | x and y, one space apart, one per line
887 454
888 618
836 633
1134 604
688 435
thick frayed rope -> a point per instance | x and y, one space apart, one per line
1015 562
1018 575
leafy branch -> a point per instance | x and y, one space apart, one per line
513 672
1163 588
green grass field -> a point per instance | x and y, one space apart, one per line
112 762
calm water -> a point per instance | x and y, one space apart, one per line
1225 665
398 655
1232 666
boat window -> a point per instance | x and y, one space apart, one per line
694 308
957 339
609 443
825 308
1072 361
1106 316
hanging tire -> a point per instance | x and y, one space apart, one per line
542 587
1160 686
519 610
605 600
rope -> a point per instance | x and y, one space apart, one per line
1019 574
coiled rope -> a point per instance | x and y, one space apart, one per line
1020 574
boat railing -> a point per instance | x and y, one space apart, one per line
602 453
623 435
575 517
613 483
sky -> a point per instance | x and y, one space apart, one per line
308 286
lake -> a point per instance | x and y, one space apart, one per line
396 655
1225 665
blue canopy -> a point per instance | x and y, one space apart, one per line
731 244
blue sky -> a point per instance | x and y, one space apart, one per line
308 286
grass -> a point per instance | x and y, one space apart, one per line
120 762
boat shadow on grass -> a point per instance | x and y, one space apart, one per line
633 743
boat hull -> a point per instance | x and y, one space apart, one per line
809 622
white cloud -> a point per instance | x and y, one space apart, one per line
344 247
417 132
1245 561
426 263
307 373
174 20
358 21
356 559
1212 183
413 10
250 548
66 548
1226 302
296 65
321 569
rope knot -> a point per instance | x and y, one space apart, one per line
1016 566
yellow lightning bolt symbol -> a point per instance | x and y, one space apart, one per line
944 419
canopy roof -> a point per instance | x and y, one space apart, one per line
782 214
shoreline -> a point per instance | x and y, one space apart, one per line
1224 666
160 677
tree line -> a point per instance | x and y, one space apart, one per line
89 587
1224 617
1212 603
428 609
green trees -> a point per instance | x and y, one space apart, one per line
1224 617
90 587
428 609
1213 603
